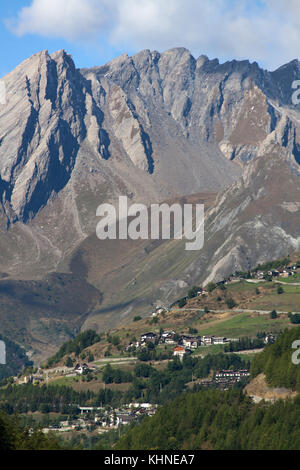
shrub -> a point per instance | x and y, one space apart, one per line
280 290
295 318
211 286
181 303
193 292
273 314
230 303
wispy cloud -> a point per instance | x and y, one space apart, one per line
267 30
69 19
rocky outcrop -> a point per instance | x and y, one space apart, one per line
259 390
235 106
41 130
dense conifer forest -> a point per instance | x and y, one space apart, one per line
275 361
218 420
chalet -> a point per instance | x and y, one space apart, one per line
201 292
81 369
167 337
180 352
260 275
219 340
207 340
141 405
25 380
37 379
168 334
148 337
285 273
170 340
270 339
273 273
207 383
159 311
123 419
190 342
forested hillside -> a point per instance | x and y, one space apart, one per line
78 344
219 421
275 361
14 437
147 383
216 419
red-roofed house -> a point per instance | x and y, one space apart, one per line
180 351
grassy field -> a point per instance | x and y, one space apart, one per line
289 301
291 279
249 356
205 350
254 296
267 299
96 384
245 324
248 287
218 348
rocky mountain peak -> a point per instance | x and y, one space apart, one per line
202 112
41 125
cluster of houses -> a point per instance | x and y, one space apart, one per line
105 419
42 376
231 375
34 379
186 344
125 415
274 273
225 379
183 345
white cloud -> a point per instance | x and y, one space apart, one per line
268 33
69 19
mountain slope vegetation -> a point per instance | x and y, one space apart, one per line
217 420
277 364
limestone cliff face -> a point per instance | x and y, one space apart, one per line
237 107
41 130
54 111
175 120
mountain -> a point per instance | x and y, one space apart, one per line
71 140
154 127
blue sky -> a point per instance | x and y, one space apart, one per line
15 49
96 31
